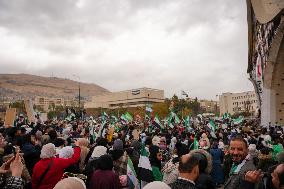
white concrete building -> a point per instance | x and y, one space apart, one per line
238 102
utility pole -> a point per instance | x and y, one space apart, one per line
216 104
79 90
79 96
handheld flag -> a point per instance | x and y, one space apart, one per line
157 123
238 120
131 175
128 117
144 166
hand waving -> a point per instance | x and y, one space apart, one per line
5 166
17 166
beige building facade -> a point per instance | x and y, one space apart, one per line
238 102
46 102
209 105
128 98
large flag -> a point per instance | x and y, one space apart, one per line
105 116
212 125
173 118
147 117
113 119
212 128
200 117
101 130
238 120
157 123
117 127
131 176
226 116
194 145
128 117
144 166
169 121
187 124
123 119
177 120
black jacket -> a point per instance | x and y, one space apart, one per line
181 184
205 181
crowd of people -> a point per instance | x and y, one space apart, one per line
99 153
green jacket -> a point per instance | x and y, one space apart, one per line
278 148
158 176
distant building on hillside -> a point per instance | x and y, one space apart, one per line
128 98
238 102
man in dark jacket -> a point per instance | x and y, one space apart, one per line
188 172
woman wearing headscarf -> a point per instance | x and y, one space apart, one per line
70 183
157 184
67 152
155 160
92 165
49 170
119 157
204 142
104 177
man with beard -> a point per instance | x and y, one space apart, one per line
242 162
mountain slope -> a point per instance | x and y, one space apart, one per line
29 86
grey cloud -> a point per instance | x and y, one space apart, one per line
209 58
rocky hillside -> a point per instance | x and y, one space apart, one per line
28 86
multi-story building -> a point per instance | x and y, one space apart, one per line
128 98
5 102
72 102
209 105
266 56
46 102
238 102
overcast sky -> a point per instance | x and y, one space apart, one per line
199 46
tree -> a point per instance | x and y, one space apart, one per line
59 108
38 108
195 106
51 106
51 114
19 105
161 109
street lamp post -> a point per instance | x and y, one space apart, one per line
216 104
79 90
